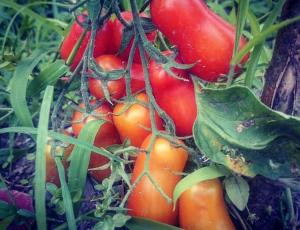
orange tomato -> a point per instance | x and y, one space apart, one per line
165 161
106 136
203 207
133 123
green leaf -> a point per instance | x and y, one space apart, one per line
80 158
120 219
19 87
202 174
48 76
141 224
237 190
235 129
24 9
106 224
40 162
66 195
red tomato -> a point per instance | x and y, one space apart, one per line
102 41
199 34
133 123
179 103
203 207
160 80
165 161
106 136
118 33
116 88
174 96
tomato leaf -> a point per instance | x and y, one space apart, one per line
237 190
235 129
202 174
120 219
126 38
141 224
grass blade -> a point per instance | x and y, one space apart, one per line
66 195
40 162
63 138
260 38
25 10
19 86
254 58
48 76
241 19
80 159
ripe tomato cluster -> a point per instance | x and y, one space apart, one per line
203 39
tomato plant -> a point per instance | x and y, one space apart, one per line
201 36
176 97
203 207
133 120
116 88
102 42
228 129
118 34
165 161
106 136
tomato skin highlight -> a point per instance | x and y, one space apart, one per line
118 34
117 88
106 136
165 160
199 34
132 122
102 42
203 207
176 97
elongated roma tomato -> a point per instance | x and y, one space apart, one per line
118 34
106 136
179 103
133 121
103 42
165 161
176 97
202 207
117 88
200 35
